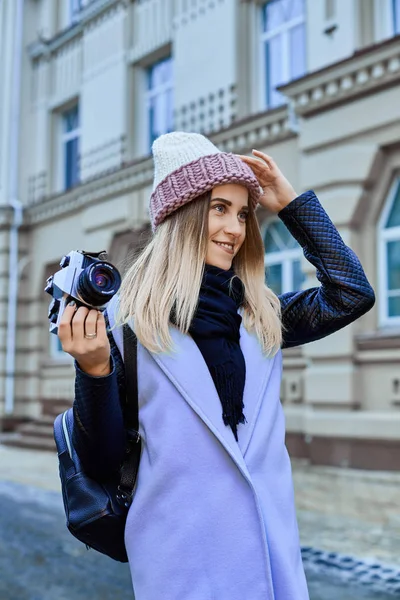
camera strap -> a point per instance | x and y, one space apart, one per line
131 420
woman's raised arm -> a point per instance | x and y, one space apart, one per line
345 293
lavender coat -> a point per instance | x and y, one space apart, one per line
213 518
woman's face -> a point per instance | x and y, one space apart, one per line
226 224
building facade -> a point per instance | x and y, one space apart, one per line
88 85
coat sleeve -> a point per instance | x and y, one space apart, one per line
99 434
345 293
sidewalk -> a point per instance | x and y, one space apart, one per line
339 510
30 467
349 511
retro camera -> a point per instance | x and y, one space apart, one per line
85 277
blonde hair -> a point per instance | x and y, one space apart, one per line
166 276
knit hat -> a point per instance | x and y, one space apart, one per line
186 165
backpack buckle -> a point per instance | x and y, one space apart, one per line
123 497
133 436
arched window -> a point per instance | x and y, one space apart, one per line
282 259
389 259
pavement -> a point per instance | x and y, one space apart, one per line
344 511
349 511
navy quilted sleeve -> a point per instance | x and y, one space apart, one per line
344 294
99 434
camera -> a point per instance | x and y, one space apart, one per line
86 277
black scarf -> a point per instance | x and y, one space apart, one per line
215 329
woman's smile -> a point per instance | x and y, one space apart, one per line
225 246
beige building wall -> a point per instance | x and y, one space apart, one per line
339 134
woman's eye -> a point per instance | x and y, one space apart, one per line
243 216
220 206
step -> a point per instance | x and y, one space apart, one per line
53 408
37 428
32 442
45 420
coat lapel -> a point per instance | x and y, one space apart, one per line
258 371
189 373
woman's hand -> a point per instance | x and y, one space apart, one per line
92 354
278 192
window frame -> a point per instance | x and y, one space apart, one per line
151 93
64 138
386 235
395 15
74 8
264 37
384 20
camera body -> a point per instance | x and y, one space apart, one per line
86 277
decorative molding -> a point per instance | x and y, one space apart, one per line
118 182
103 158
152 27
387 339
367 71
265 128
37 187
209 113
195 10
87 16
6 216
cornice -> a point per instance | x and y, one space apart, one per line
256 131
41 48
387 339
264 128
6 216
121 181
367 71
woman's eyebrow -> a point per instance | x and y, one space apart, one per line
228 202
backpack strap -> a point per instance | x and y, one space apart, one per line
131 420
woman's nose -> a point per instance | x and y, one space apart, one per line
232 226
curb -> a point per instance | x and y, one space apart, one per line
368 572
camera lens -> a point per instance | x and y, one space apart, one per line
98 283
101 279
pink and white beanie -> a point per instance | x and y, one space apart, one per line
186 165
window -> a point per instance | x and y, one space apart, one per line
75 7
396 16
282 259
330 9
160 99
389 259
70 147
283 47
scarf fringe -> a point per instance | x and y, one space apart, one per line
231 398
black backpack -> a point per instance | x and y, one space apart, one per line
96 512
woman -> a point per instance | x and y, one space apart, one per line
213 514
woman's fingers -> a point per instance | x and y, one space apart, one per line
91 322
101 325
259 164
255 165
265 157
64 327
250 160
78 323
